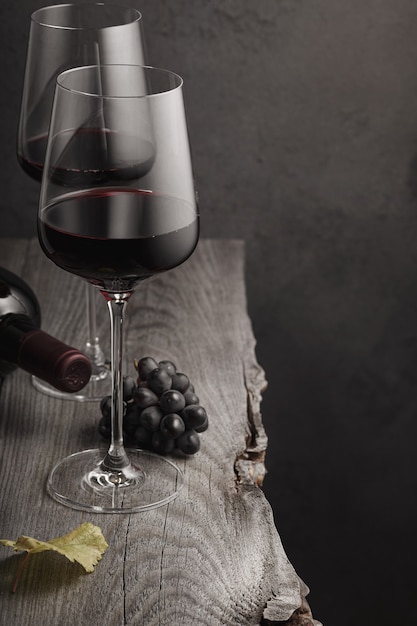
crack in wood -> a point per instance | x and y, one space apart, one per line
301 617
249 465
124 570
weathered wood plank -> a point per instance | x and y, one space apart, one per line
211 557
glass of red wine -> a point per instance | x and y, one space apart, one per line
61 37
117 207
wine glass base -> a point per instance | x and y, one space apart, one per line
80 482
97 387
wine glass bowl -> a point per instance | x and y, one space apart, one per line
60 37
64 36
134 217
93 216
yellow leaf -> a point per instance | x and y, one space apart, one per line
85 545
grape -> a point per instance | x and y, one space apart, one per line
162 445
172 426
159 381
188 442
145 366
172 401
203 427
190 397
143 437
194 415
168 366
180 382
144 397
129 386
131 419
105 406
104 428
150 418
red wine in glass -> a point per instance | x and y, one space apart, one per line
118 235
32 161
88 157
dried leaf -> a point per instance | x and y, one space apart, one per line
85 545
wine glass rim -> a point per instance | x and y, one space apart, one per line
60 78
37 19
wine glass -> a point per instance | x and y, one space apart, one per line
61 37
132 217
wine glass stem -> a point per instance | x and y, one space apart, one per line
116 458
92 346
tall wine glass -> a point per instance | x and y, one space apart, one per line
133 216
61 37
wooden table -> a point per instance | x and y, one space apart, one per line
211 557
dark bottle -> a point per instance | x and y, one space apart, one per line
24 345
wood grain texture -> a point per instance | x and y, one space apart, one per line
211 557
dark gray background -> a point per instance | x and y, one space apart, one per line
303 123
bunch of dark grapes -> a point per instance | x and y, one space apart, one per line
162 412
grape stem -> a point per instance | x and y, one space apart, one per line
19 572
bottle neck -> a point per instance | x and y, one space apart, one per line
22 344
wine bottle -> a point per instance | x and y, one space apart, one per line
23 344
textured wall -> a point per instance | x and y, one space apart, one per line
303 122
